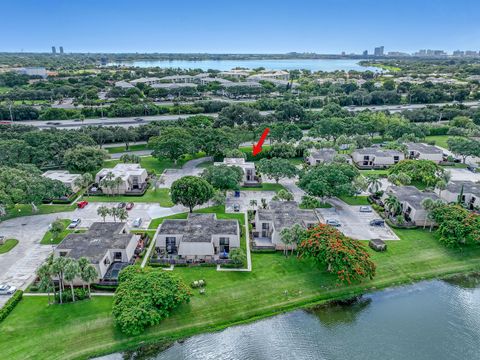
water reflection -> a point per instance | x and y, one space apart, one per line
429 320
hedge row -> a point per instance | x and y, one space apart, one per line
10 304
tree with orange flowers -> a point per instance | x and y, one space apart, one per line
346 257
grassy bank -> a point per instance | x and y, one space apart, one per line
276 284
26 210
161 196
355 200
8 245
48 238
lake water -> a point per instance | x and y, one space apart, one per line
289 64
428 320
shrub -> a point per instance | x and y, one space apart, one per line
80 294
198 284
10 304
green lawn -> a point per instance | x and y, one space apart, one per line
26 210
276 284
380 173
440 140
8 245
153 165
48 238
120 149
161 196
265 187
355 200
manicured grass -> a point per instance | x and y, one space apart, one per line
161 196
355 200
48 238
121 149
265 187
8 245
79 330
380 173
26 210
440 140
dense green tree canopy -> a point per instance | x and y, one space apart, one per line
277 168
84 158
172 143
146 296
424 171
223 177
191 191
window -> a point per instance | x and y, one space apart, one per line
117 256
63 253
170 244
224 245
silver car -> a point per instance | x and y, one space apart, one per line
334 223
366 209
137 222
74 223
7 289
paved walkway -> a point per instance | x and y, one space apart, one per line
188 169
136 152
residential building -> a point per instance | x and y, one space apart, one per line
469 192
61 50
146 80
107 245
33 71
236 73
319 156
411 200
123 84
199 237
280 215
65 177
250 177
208 80
133 179
271 74
379 51
424 152
54 50
376 158
171 86
178 79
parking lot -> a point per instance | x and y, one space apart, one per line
356 224
244 199
463 174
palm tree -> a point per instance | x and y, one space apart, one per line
122 215
114 212
441 185
374 183
89 274
116 183
45 276
427 204
82 264
84 181
71 271
58 269
103 211
392 204
253 203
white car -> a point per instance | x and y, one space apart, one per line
137 222
7 289
334 223
74 223
365 209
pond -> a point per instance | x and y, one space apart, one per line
428 320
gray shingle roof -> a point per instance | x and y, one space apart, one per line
378 152
94 243
469 187
411 195
199 227
423 148
286 214
326 155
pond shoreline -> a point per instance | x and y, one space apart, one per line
150 348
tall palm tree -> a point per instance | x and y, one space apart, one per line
58 269
103 211
116 183
82 264
441 185
393 205
122 215
45 276
427 204
114 212
253 203
374 183
89 274
72 270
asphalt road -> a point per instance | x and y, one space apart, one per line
130 121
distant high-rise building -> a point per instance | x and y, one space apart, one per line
61 49
365 53
54 50
458 53
378 51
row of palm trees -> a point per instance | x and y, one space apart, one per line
111 183
117 213
65 270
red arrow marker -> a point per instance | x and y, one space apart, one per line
257 148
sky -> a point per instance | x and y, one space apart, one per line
247 26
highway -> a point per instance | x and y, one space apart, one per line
130 121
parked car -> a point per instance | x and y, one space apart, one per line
366 209
7 289
138 119
137 222
332 222
377 222
236 207
121 205
74 223
129 206
472 168
82 204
